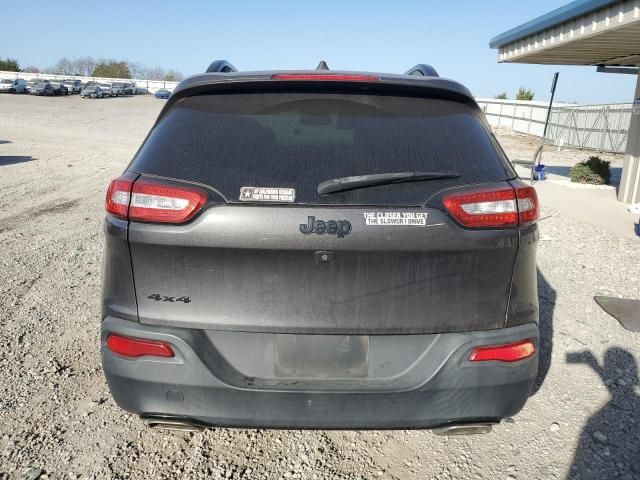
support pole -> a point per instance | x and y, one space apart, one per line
630 182
553 94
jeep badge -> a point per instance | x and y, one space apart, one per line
330 227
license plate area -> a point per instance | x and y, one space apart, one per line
322 356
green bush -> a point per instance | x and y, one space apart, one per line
9 65
525 94
594 170
112 69
502 96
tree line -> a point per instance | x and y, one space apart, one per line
97 67
523 93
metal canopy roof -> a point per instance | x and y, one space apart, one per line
584 32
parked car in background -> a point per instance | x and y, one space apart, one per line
125 88
6 85
74 86
42 88
17 85
163 93
130 89
109 90
119 88
93 91
59 88
30 85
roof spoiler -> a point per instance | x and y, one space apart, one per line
223 66
420 70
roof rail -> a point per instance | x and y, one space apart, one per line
422 70
221 66
322 65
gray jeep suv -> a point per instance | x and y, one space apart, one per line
320 249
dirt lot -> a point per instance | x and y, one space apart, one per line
56 158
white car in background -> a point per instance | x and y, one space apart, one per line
74 86
30 85
109 90
93 91
118 87
17 85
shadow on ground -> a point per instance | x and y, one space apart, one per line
547 303
11 160
609 445
2 142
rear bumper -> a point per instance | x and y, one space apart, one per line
438 387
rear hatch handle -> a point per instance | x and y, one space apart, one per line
363 181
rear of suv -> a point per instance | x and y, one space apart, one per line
320 249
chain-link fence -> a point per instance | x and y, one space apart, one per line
597 127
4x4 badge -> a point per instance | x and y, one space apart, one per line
340 228
164 298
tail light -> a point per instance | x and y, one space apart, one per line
138 347
336 77
494 208
512 352
528 206
118 195
153 202
147 201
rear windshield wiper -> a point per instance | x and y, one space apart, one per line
363 181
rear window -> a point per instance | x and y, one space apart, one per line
298 140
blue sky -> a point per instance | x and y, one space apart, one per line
388 36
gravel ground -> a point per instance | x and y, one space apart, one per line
56 158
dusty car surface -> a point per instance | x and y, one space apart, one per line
320 249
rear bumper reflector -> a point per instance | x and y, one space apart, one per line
138 347
511 352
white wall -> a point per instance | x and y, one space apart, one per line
597 127
517 115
